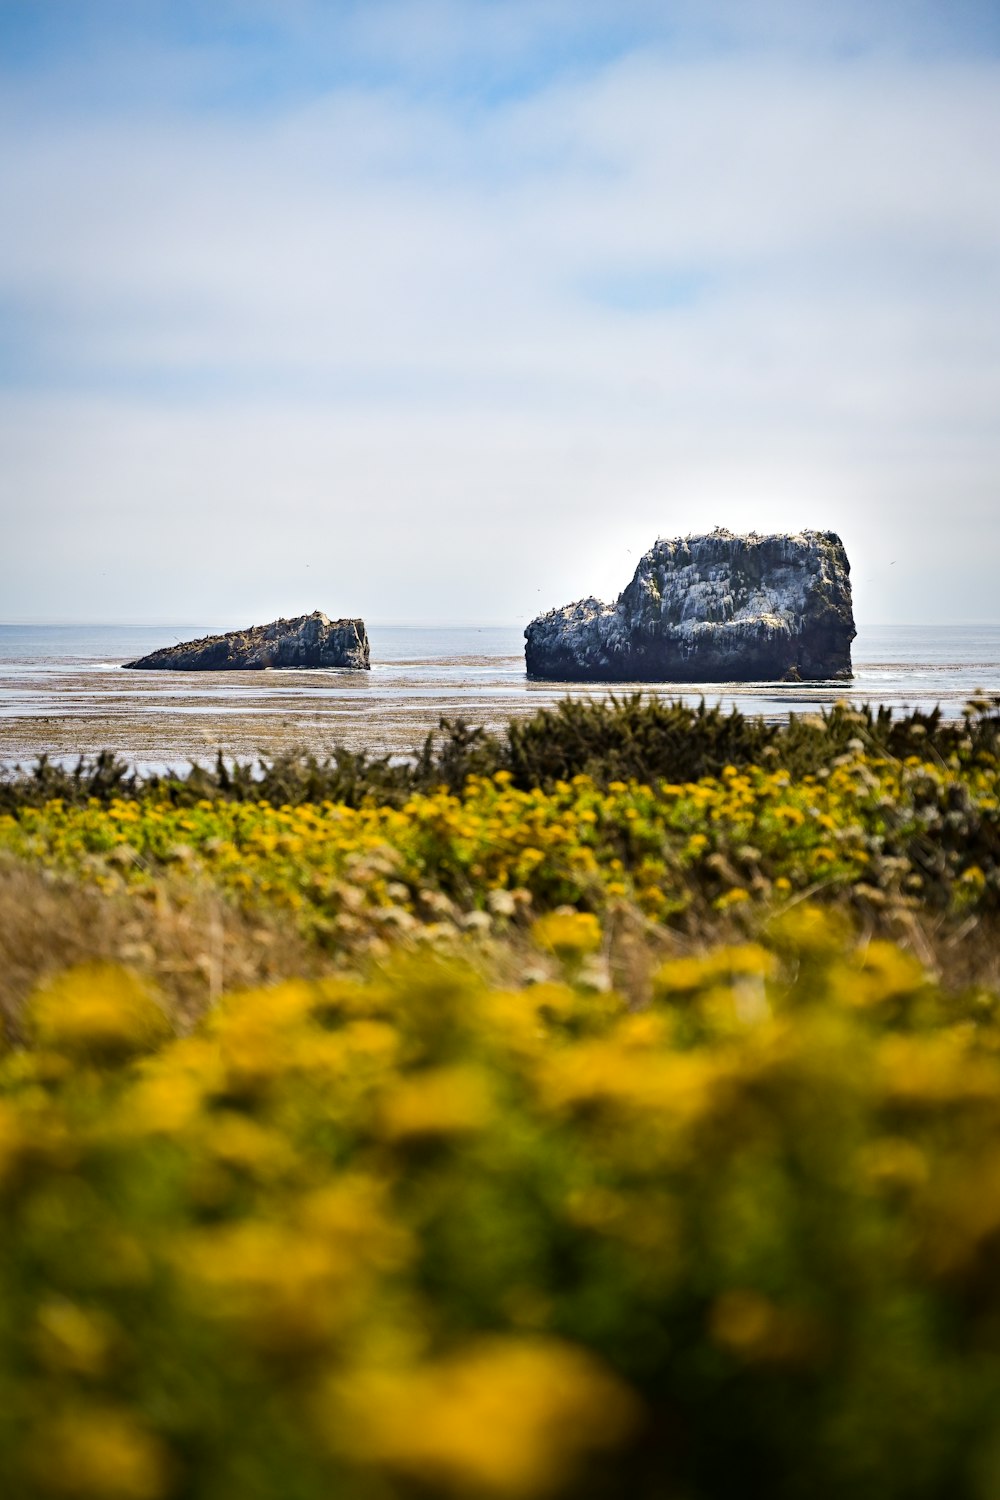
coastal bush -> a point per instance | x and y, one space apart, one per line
411 1233
873 830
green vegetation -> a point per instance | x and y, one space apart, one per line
637 737
607 1108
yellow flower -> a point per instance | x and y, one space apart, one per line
165 1103
12 1139
354 1212
286 1291
937 1071
681 976
616 1077
96 1011
893 1162
506 1417
884 974
68 1337
811 930
734 897
568 934
97 1452
438 1102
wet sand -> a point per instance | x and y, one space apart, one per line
169 718
64 709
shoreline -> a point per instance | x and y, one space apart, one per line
64 694
167 726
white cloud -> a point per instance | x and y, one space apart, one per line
379 328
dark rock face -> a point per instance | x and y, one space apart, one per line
307 641
714 608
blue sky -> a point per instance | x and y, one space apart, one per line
445 309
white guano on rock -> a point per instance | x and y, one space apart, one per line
307 641
710 608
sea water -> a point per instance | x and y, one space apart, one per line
63 690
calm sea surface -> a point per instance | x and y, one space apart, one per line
63 691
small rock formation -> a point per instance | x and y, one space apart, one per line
713 608
307 641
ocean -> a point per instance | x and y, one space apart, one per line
63 691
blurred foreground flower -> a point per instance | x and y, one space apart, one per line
96 1012
505 1417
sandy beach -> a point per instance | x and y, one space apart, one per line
245 715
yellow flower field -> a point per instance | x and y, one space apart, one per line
415 1234
903 829
486 1204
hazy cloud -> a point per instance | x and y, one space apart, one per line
461 304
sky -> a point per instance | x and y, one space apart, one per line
444 310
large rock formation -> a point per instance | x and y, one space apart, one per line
715 608
307 641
